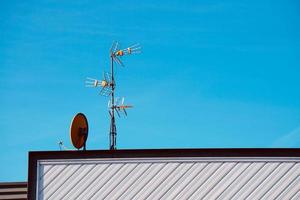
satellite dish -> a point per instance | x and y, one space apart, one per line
79 131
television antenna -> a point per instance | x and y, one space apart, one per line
108 85
62 146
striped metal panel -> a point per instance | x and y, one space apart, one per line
13 190
169 178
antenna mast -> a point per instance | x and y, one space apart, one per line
108 88
113 129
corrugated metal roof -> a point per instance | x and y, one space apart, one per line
169 178
13 190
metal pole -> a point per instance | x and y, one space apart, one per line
113 129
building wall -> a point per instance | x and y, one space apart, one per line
169 178
13 190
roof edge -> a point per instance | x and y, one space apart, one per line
136 153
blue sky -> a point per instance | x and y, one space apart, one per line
212 74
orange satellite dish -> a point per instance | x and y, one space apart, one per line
79 131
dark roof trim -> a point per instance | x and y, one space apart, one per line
13 185
142 153
139 153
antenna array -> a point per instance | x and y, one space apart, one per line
108 85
